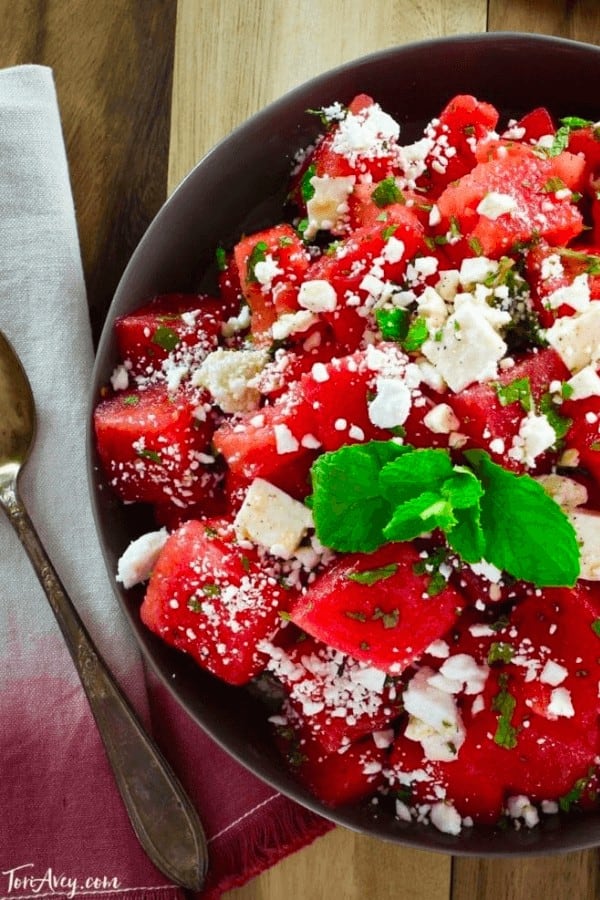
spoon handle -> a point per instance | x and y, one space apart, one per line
162 815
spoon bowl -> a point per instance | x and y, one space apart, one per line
161 814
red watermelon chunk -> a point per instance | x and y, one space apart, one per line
260 443
387 620
533 730
584 433
346 776
336 697
492 420
185 327
271 265
507 200
154 448
215 600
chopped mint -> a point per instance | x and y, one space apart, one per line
372 576
166 338
387 192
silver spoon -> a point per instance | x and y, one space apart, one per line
162 815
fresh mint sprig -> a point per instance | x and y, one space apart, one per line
365 495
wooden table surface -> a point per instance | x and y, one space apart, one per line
145 88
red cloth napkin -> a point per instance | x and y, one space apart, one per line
63 828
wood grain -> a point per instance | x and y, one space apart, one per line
112 61
346 866
219 83
575 19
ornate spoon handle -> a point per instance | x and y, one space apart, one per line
162 815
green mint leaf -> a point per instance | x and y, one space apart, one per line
560 142
258 254
475 245
393 323
504 703
467 537
348 508
387 192
418 516
152 455
463 489
131 400
372 576
526 533
554 184
591 261
575 122
413 473
595 626
166 338
416 336
307 190
572 797
388 619
221 258
500 652
517 391
561 424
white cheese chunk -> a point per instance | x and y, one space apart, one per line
441 419
392 403
576 339
587 527
553 673
536 435
585 383
560 705
445 818
138 560
292 323
576 295
272 519
432 307
434 718
496 204
469 348
317 295
228 374
328 206
474 270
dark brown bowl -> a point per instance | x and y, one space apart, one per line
239 187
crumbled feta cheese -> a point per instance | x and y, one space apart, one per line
328 206
551 267
364 131
317 296
432 307
521 807
120 378
445 818
272 519
227 374
560 704
495 205
393 250
575 295
474 270
138 560
553 673
535 436
391 404
266 270
434 718
576 339
291 323
441 419
585 383
469 348
587 527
